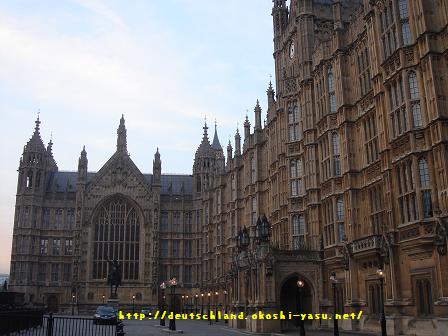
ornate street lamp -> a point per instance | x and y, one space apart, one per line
335 321
216 307
73 304
202 304
300 285
103 298
133 304
162 288
173 284
225 307
265 229
196 303
209 298
380 273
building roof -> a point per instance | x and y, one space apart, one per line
65 181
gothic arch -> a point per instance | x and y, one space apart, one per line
287 294
116 233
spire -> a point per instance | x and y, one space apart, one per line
237 143
246 127
271 101
229 152
50 146
35 144
205 128
257 111
156 168
215 144
270 92
205 149
121 136
83 152
82 166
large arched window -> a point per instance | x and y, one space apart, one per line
426 188
298 232
296 177
116 236
414 95
336 154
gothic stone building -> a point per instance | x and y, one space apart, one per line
349 168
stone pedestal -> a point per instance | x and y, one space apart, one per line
113 303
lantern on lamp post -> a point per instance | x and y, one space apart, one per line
162 289
300 285
173 283
335 321
380 273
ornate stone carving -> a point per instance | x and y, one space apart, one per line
441 237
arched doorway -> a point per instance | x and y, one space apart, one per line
289 301
52 303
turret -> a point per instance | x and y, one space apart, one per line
246 128
36 160
279 16
229 152
237 143
219 153
257 112
271 102
82 166
156 168
121 137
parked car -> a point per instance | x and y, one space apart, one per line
146 311
105 315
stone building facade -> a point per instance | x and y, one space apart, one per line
69 224
349 168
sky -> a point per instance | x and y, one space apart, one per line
165 65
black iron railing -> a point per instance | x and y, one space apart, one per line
17 323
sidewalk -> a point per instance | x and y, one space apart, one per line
322 332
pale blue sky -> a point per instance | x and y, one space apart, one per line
163 64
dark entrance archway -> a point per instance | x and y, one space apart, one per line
52 303
288 301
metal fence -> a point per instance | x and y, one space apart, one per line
49 325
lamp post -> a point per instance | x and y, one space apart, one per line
380 273
173 283
188 305
216 307
103 299
225 307
300 285
202 303
73 304
162 288
335 321
196 303
133 304
209 298
183 304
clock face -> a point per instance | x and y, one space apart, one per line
291 50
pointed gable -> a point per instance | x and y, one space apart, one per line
119 173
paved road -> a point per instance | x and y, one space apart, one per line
202 328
